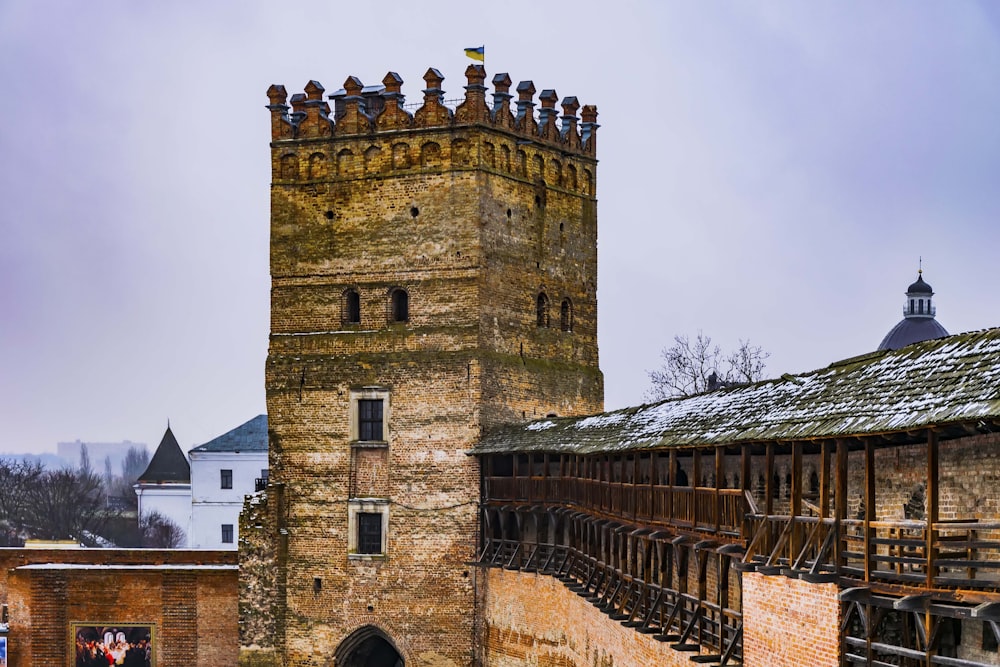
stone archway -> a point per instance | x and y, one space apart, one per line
368 647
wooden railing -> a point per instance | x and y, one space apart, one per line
706 509
961 554
689 623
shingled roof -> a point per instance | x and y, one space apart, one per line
936 382
250 436
168 463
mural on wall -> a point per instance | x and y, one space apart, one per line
107 645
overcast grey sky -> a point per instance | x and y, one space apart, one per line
769 170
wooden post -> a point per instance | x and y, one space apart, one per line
933 507
671 479
695 483
746 485
869 532
840 503
769 489
824 480
796 505
720 473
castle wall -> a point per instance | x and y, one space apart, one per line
188 601
532 619
789 622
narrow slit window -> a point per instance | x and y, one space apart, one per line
566 315
399 306
352 307
542 310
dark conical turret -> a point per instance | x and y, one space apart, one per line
168 464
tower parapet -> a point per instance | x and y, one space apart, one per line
371 110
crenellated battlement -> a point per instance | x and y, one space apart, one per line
359 110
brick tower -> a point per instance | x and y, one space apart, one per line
434 275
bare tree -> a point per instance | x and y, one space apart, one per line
66 504
16 477
691 367
134 464
85 459
159 532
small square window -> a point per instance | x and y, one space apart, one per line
226 479
370 419
367 524
227 533
369 533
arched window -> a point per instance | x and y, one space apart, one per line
542 310
920 306
399 305
351 307
566 315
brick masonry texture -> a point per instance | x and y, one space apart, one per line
535 620
192 611
789 622
474 224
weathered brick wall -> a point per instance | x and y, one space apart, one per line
258 582
789 622
189 601
533 619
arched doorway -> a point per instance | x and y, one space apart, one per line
368 647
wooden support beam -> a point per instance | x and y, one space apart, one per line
671 481
869 531
695 482
988 611
796 505
747 486
769 489
856 594
933 506
840 503
917 602
824 480
720 475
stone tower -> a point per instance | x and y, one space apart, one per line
434 275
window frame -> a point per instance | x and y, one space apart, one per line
230 533
226 479
354 418
366 507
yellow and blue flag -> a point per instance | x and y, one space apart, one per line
476 53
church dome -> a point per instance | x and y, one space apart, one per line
918 323
910 331
919 287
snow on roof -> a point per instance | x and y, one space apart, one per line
935 382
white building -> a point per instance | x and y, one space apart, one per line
223 471
165 486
